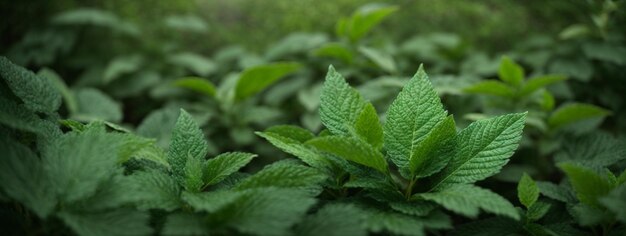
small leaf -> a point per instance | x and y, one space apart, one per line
368 126
434 151
491 87
187 143
588 184
197 84
527 191
285 174
510 72
255 79
468 199
291 140
574 112
220 167
351 149
537 83
363 20
335 50
537 211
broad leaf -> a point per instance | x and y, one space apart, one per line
351 149
340 104
527 191
221 166
285 174
37 93
588 184
197 84
434 151
255 79
574 112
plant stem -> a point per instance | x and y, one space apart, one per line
409 188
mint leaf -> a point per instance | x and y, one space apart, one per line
491 87
483 148
106 109
588 184
154 190
37 93
435 150
255 79
537 83
197 84
221 166
291 140
368 126
574 112
340 104
411 116
527 191
468 199
187 143
285 174
352 149
114 222
510 72
333 220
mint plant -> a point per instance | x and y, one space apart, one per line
413 163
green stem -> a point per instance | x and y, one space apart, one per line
409 189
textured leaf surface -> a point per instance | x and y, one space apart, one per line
159 125
556 192
340 104
368 126
351 149
115 222
527 191
211 201
483 148
291 140
95 105
285 174
468 200
155 190
255 79
187 143
596 149
37 93
221 166
379 221
79 162
434 151
588 184
411 116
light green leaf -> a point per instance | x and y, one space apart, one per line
380 58
467 200
187 143
291 140
221 166
285 174
411 116
197 84
510 72
335 50
527 191
363 20
537 83
537 210
368 126
491 87
37 93
483 148
194 170
95 105
434 151
351 149
574 112
255 79
114 222
588 184
340 104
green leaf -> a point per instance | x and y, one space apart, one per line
137 147
467 200
285 174
411 116
333 220
368 126
264 211
159 125
537 211
184 224
340 104
381 222
527 191
483 148
510 72
211 201
121 65
588 184
363 20
194 170
22 178
197 84
596 149
196 63
615 201
380 58
19 117
291 140
78 162
154 190
59 84
434 151
351 149
187 143
335 50
489 227
574 112
223 165
114 222
491 87
95 105
37 93
556 192
537 83
255 79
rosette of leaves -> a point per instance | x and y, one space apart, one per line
403 173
